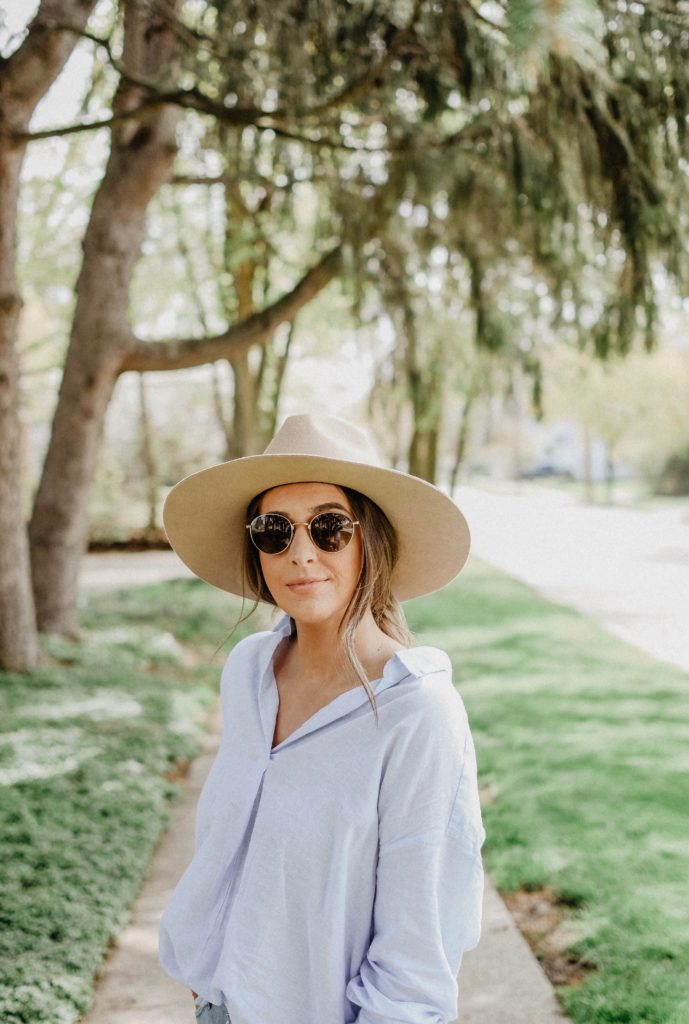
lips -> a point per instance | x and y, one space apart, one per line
306 584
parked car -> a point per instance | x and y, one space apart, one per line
546 470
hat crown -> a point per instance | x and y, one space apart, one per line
327 436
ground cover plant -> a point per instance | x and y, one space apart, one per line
91 752
583 753
582 749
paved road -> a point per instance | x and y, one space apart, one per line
627 569
105 570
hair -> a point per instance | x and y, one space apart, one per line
373 590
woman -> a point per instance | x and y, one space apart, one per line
337 874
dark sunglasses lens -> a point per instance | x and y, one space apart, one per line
271 534
332 531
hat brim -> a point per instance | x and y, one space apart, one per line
205 517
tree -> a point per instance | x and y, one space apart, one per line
25 77
576 176
142 152
102 344
636 405
567 155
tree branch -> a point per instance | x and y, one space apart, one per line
237 339
358 86
190 99
276 121
186 35
35 65
87 126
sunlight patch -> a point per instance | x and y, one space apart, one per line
103 706
42 753
184 715
165 643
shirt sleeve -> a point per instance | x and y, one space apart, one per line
429 882
212 787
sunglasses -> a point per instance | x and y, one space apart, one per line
329 531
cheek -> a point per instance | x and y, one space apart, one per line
356 559
266 569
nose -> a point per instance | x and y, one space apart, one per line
302 549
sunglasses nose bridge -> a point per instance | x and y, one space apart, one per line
293 537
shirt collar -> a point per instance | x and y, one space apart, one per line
283 626
412 662
417 661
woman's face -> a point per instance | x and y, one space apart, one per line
337 572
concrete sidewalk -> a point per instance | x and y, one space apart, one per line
625 568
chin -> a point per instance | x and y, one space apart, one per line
311 616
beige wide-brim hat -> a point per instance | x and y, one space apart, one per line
205 513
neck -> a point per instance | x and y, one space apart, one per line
319 651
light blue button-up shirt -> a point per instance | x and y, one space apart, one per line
337 877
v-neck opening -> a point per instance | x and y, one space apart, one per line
407 661
359 690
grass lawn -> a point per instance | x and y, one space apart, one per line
583 756
583 752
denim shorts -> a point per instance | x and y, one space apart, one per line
212 1013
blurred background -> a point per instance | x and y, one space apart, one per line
462 225
508 300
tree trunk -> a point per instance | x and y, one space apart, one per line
588 464
18 643
423 370
148 461
244 412
423 452
141 157
609 475
278 369
462 440
26 76
512 405
218 405
426 390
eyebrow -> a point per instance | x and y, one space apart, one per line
314 508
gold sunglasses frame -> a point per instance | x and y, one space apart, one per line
354 522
